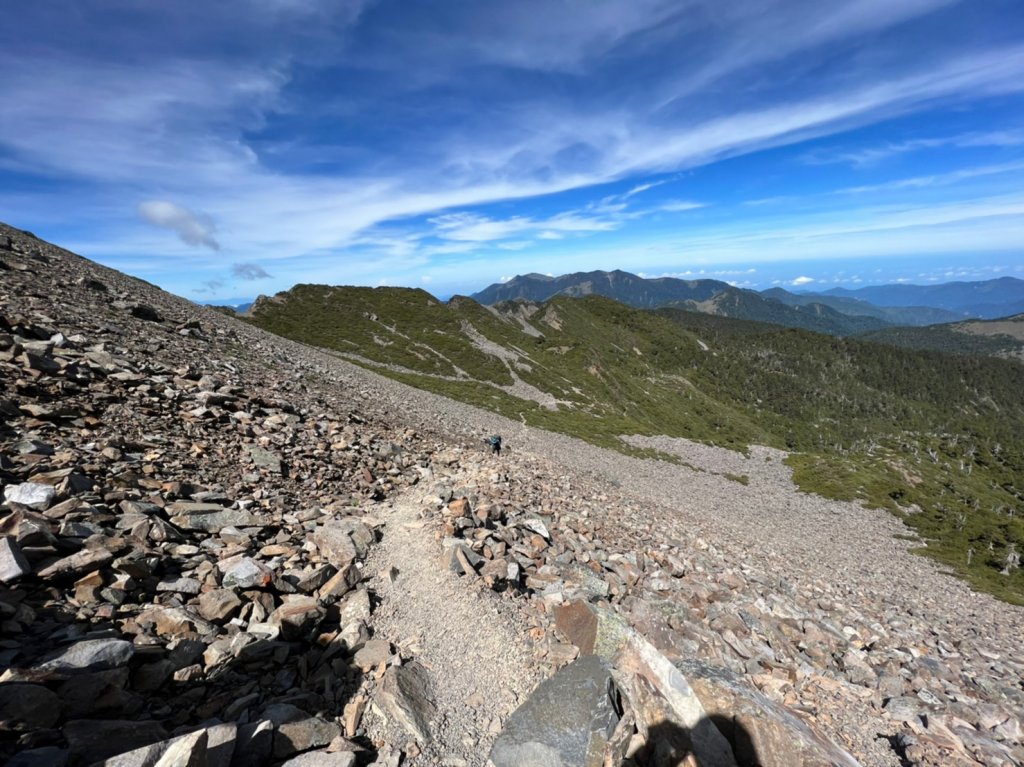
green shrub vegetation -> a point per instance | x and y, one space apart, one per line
937 439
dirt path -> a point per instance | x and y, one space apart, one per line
473 643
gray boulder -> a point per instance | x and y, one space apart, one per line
566 722
90 655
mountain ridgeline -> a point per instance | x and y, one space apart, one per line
935 438
985 299
835 312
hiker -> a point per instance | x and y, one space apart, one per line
495 443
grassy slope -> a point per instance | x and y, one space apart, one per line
936 439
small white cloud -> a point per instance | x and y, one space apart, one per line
548 235
678 206
249 272
802 281
515 245
504 278
426 278
193 228
644 187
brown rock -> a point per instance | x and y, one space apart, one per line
578 623
219 605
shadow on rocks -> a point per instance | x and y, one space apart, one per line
670 744
77 690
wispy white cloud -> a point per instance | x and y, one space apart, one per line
872 155
193 228
679 206
640 188
474 227
938 179
249 272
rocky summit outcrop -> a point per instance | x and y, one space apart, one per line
218 547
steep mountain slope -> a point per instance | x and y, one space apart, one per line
252 551
987 299
997 338
869 421
894 315
710 296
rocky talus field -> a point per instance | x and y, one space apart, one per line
223 548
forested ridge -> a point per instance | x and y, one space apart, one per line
933 437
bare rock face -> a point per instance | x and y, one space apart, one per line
566 722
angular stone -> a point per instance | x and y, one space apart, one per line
566 721
301 735
79 563
404 697
297 615
264 459
90 655
594 630
340 583
28 707
13 564
245 573
537 526
254 744
34 495
218 605
356 608
372 654
335 544
180 586
209 517
93 693
903 709
207 747
175 621
92 740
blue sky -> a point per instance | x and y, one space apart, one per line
221 150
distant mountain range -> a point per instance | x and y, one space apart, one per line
836 312
987 299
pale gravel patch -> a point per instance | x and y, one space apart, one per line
472 642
